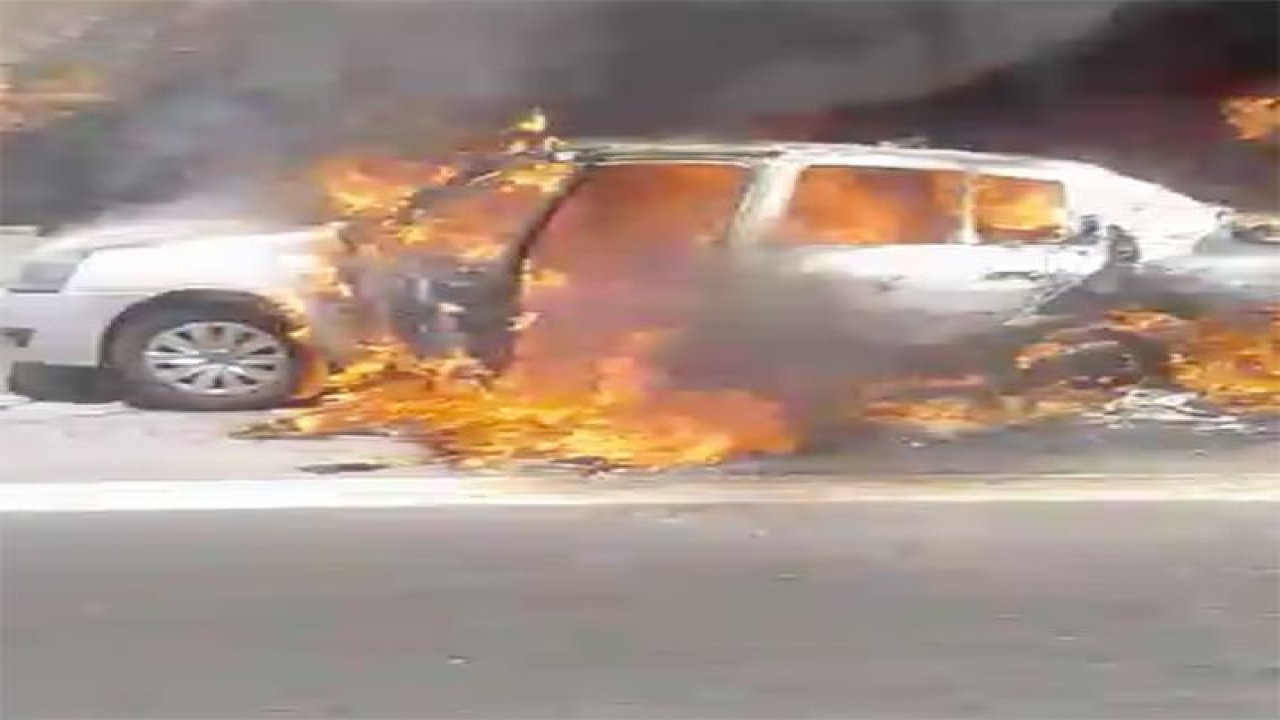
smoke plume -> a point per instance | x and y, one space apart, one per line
204 93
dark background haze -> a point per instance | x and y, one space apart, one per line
215 97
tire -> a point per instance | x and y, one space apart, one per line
211 357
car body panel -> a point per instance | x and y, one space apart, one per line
61 328
120 270
974 285
262 263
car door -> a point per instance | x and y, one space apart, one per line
617 269
914 254
1037 248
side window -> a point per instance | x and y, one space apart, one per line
635 222
1018 210
871 206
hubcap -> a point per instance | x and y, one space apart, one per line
216 358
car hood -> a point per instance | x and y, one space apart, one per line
88 240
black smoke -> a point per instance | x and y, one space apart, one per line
224 95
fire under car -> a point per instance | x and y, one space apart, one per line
807 258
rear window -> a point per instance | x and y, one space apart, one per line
871 206
1018 210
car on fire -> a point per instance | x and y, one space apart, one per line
874 245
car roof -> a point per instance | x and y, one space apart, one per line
605 150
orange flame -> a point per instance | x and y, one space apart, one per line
1008 208
586 381
625 419
603 296
1232 362
356 185
1254 117
871 206
42 100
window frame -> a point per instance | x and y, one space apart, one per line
782 179
751 181
971 196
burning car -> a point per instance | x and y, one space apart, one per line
840 255
876 260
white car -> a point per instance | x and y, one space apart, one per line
188 316
185 314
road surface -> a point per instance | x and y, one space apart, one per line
59 443
894 610
1084 571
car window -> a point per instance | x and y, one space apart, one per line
1018 210
627 221
871 206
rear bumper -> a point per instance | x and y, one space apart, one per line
59 328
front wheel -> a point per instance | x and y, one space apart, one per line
211 357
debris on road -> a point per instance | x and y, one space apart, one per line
1165 406
351 466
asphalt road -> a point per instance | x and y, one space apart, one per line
642 597
1021 610
60 443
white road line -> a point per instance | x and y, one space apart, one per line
464 491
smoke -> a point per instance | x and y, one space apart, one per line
225 95
810 342
713 64
642 283
212 93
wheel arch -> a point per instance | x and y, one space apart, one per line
237 299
